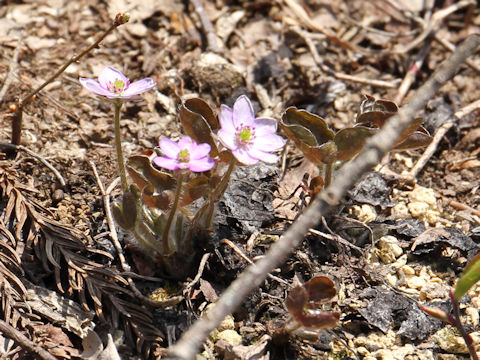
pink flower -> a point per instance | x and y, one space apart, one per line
114 85
186 154
250 139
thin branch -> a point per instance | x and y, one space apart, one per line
40 158
114 237
211 36
441 132
27 344
307 37
11 71
120 19
348 175
412 72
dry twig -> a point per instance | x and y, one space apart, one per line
372 153
40 158
12 333
341 76
11 71
113 235
441 132
211 36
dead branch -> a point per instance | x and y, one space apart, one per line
11 71
430 150
348 175
40 158
307 37
113 235
211 36
24 342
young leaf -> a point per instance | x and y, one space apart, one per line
317 319
435 312
198 121
296 300
143 173
470 276
350 141
320 289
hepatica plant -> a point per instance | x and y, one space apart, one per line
116 87
170 202
324 147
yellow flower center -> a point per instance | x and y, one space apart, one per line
183 156
245 135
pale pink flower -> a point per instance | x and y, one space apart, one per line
114 85
186 154
250 139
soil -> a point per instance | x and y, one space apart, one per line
391 245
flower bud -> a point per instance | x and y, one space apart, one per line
122 18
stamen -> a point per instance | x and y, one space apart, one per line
183 156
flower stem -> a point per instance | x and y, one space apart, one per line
220 190
18 113
171 215
328 174
117 105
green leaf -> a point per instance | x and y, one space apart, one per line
470 276
310 134
198 121
370 104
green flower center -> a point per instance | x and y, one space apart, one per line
118 86
245 135
183 156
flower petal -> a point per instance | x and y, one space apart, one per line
199 165
243 114
169 147
200 151
167 163
109 75
186 143
244 157
93 86
262 155
227 139
226 119
268 142
139 87
265 126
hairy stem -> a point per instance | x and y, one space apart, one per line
220 190
328 174
18 115
117 105
173 210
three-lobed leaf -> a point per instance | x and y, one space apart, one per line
303 302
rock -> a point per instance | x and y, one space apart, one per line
449 341
365 213
230 336
389 250
227 324
414 282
